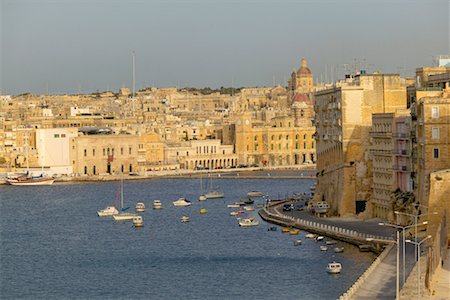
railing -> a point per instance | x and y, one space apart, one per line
401 152
404 135
401 168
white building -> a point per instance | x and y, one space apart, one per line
53 145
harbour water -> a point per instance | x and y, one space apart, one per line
53 246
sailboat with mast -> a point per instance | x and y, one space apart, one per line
123 215
28 179
213 193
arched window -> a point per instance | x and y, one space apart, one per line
273 137
94 170
85 169
279 137
296 136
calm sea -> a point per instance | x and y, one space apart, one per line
53 246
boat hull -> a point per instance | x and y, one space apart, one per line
124 217
31 182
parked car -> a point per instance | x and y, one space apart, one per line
288 207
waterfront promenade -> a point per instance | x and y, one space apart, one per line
378 282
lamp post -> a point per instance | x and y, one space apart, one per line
397 277
416 217
418 263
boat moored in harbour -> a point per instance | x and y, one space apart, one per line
108 211
334 268
184 219
338 249
182 202
247 222
323 248
255 194
138 221
157 204
140 207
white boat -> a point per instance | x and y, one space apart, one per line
297 242
234 205
323 248
255 194
202 198
182 202
247 222
310 235
319 238
249 208
338 249
108 211
31 181
138 221
334 268
237 212
122 215
157 204
140 207
184 219
331 242
214 195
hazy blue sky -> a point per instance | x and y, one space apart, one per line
86 45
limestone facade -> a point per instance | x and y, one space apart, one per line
343 120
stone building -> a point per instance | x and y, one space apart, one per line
343 121
201 154
432 145
301 81
104 154
391 160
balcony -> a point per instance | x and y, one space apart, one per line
401 152
401 168
381 152
401 136
381 134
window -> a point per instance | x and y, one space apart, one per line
435 112
63 135
85 170
129 150
436 153
121 152
273 137
304 145
104 153
94 170
296 145
256 138
279 147
85 152
435 133
287 137
56 135
271 146
296 136
248 147
93 153
279 137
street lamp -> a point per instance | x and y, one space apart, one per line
416 217
403 233
397 277
418 263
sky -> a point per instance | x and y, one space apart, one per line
83 46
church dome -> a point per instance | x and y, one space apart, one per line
301 98
304 70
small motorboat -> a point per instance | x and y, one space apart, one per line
108 211
203 211
319 238
234 205
249 208
247 222
323 248
214 195
202 198
297 242
334 268
255 194
140 207
294 231
184 219
157 204
182 202
124 216
338 249
331 242
138 221
237 212
310 235
286 229
273 228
